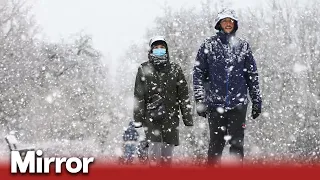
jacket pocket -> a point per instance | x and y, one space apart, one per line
156 108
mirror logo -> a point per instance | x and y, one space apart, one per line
33 162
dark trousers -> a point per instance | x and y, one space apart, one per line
226 125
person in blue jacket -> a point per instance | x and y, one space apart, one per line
224 72
130 138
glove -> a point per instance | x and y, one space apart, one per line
256 110
201 109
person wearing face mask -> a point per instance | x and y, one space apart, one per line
224 72
161 94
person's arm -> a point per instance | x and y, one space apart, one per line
139 107
124 136
137 135
183 98
200 75
252 79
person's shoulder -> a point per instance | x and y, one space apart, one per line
144 64
210 39
175 65
243 40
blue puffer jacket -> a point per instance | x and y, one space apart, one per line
130 134
224 72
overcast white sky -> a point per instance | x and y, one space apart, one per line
113 24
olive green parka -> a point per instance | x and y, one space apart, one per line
172 85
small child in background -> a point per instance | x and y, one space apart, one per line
130 138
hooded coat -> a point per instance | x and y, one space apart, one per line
170 83
226 70
130 134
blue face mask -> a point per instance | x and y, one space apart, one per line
159 51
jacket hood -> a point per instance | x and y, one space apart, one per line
155 40
226 13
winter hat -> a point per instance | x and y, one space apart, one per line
157 40
226 13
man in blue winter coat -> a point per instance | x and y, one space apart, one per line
224 72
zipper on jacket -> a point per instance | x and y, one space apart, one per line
227 103
227 88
